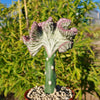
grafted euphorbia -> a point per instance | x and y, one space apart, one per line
53 36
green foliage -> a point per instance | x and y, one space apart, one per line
19 71
17 67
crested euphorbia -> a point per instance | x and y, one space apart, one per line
53 36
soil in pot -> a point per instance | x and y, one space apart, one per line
60 93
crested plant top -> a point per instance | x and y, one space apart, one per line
53 36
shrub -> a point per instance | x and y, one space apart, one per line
19 71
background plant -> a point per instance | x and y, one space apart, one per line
19 71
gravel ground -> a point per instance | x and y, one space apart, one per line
60 93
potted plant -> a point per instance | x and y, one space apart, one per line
53 36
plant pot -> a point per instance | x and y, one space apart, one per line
73 94
26 98
25 95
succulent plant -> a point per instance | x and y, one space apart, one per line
53 36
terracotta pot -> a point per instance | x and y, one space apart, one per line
73 94
25 95
26 98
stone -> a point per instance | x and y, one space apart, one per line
60 93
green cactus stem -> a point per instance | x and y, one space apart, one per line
50 75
